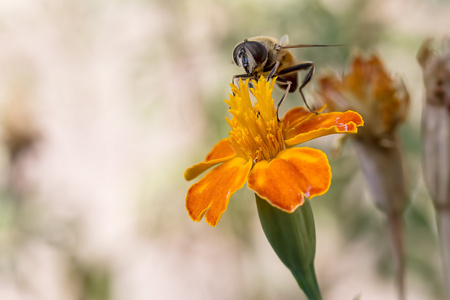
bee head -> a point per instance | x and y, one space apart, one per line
250 55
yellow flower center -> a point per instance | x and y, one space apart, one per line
255 132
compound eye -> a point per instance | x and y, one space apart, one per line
258 51
238 52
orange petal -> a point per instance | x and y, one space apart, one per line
298 115
323 124
313 164
221 152
211 194
293 173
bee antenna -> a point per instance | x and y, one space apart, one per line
310 46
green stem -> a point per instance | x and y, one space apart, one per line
395 228
443 218
307 281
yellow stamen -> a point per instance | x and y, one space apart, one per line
255 132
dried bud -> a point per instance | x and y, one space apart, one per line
436 140
436 122
383 102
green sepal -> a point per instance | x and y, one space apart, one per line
293 238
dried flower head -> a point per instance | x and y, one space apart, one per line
382 100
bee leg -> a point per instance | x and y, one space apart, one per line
243 76
304 83
286 91
303 66
277 64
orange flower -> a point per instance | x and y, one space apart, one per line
259 152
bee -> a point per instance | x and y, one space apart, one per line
264 55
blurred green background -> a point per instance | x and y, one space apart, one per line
103 104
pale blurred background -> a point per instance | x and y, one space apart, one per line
103 104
